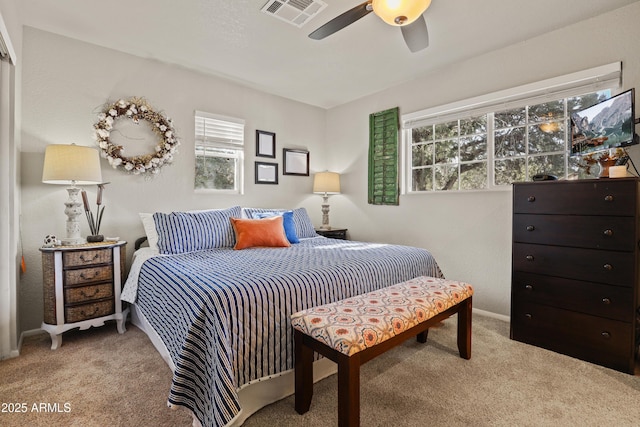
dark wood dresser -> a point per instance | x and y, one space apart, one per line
575 276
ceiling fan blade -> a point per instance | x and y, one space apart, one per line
416 35
339 22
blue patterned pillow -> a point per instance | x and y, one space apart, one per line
302 222
289 225
180 232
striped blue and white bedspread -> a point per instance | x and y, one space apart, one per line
224 315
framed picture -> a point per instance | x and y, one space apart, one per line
265 144
295 162
266 173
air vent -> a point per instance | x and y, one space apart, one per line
295 12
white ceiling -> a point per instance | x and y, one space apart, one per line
235 40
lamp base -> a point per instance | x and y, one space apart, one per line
72 241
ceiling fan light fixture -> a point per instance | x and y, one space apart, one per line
399 12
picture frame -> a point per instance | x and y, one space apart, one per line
265 144
295 162
266 173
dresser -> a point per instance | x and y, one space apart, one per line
81 287
575 269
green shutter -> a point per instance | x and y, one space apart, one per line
383 158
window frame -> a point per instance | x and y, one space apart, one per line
562 87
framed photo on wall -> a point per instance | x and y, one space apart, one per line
265 144
295 162
266 173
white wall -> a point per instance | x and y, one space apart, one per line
66 83
469 233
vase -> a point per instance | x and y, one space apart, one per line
604 167
95 238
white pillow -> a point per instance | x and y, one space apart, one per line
150 229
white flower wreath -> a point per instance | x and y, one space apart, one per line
136 109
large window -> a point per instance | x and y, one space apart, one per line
219 153
493 142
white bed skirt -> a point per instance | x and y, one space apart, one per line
253 396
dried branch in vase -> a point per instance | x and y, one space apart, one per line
94 221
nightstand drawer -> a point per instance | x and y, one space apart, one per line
88 275
334 233
82 312
86 257
88 293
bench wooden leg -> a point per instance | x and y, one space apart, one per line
349 391
303 373
422 336
464 329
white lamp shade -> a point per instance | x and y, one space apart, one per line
71 164
326 182
399 12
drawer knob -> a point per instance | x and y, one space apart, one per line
606 301
83 259
608 267
531 199
528 316
89 314
528 287
529 257
608 198
606 335
86 277
530 227
608 232
85 295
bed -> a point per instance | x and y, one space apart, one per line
221 316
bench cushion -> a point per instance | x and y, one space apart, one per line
353 324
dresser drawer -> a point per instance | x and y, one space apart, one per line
88 275
603 341
584 197
598 232
77 313
88 293
613 302
86 257
614 268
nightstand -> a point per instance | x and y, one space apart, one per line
333 233
82 285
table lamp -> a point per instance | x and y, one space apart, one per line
72 165
326 183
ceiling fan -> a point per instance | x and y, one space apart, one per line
406 14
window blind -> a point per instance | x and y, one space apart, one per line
213 128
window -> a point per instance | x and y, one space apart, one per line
219 153
489 142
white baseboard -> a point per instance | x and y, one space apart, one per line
492 315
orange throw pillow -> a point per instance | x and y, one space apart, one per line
267 232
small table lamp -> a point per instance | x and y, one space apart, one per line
72 165
326 183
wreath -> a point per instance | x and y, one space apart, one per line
136 109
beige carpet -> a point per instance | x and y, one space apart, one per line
107 379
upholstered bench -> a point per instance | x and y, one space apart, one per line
355 330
